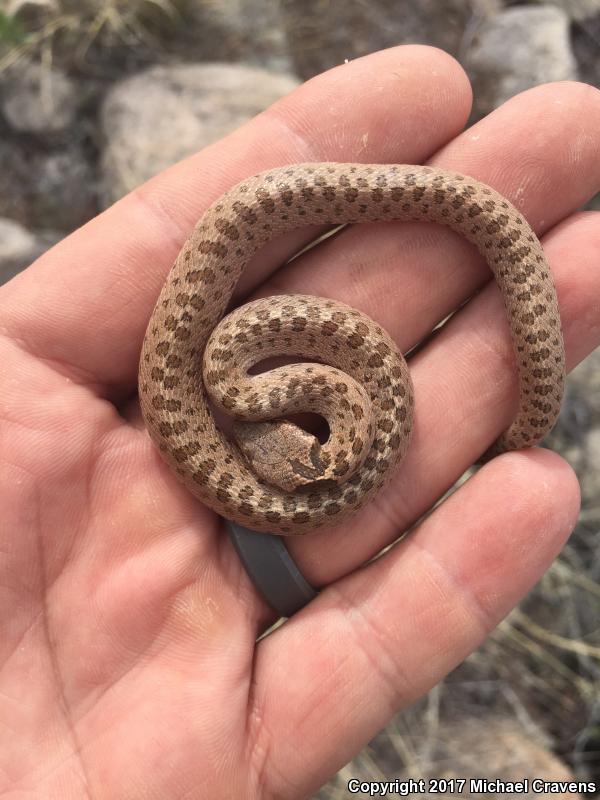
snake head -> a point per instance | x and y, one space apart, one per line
281 453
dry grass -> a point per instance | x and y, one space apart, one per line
70 28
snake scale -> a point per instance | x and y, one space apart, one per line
271 475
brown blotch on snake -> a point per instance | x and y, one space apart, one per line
279 478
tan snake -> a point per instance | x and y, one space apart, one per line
279 478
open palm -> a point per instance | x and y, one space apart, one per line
128 659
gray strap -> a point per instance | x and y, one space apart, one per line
271 569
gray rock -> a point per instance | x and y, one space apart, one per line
46 190
36 99
578 10
160 116
517 49
586 35
19 247
322 35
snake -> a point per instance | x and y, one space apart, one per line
260 467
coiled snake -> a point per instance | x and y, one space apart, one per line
279 478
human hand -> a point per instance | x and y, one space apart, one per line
128 632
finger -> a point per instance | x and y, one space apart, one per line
380 638
87 302
465 394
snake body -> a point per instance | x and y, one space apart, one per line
277 477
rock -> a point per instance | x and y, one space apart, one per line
577 10
36 99
19 248
539 52
322 35
65 190
162 115
46 190
586 35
